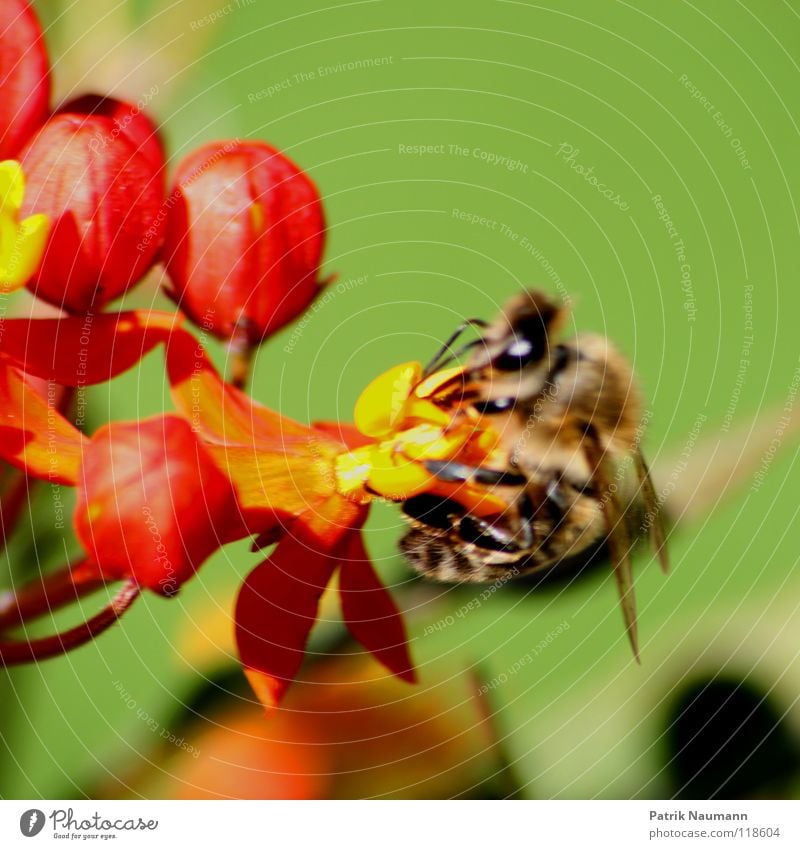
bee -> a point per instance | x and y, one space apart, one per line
569 419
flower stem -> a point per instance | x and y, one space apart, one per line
50 593
13 652
14 498
240 354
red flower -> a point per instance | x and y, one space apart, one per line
287 484
244 239
37 438
104 200
24 76
243 247
157 497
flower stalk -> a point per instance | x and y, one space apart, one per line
13 652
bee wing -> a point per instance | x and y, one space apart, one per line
619 544
652 512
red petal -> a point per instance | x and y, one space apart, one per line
153 505
128 118
370 614
278 602
86 350
24 76
275 611
33 435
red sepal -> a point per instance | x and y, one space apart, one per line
85 350
278 602
369 612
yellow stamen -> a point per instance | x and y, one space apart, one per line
401 412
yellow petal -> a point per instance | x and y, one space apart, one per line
382 404
392 476
428 442
352 471
420 410
8 235
487 441
21 249
436 381
12 186
8 238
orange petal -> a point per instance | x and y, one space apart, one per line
475 499
34 436
347 434
277 483
217 410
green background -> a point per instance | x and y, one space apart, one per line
614 81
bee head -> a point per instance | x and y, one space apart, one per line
520 337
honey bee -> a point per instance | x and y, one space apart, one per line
568 415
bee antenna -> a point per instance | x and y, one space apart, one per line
442 357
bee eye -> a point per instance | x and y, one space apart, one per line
499 405
520 352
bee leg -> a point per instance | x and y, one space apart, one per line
432 511
526 515
555 495
617 539
652 512
556 506
486 535
452 472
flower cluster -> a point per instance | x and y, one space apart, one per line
85 212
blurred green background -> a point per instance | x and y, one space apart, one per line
642 158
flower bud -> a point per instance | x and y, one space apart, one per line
129 120
104 201
24 76
244 239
